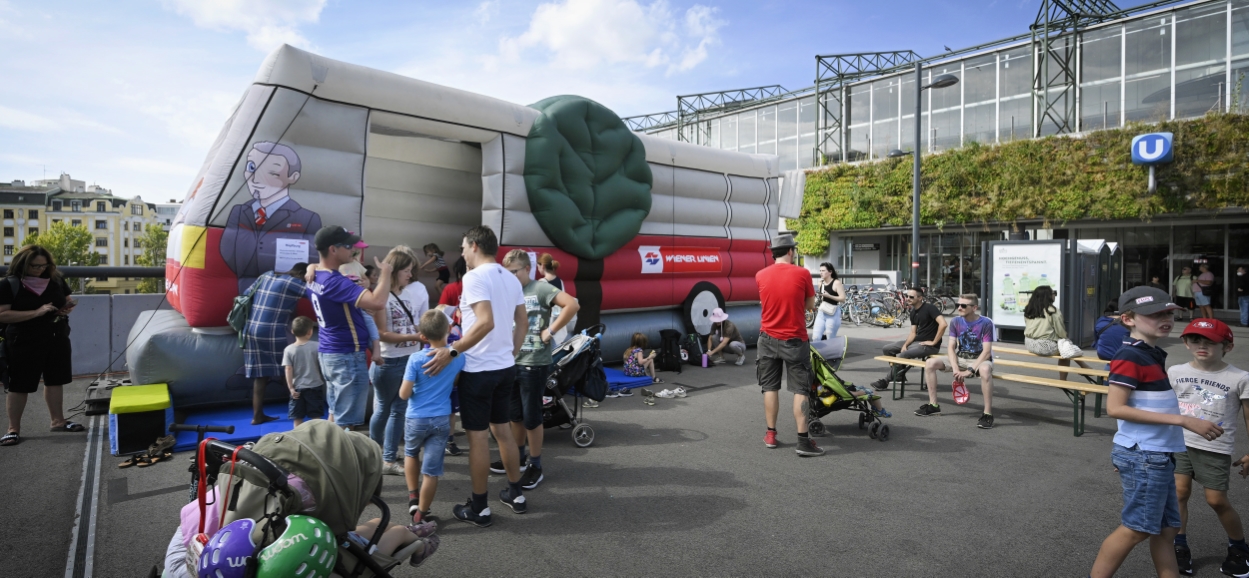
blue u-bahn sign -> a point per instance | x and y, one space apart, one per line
1151 149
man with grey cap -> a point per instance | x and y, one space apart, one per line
785 294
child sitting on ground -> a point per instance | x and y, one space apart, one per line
636 362
303 373
436 263
1151 431
429 416
1212 390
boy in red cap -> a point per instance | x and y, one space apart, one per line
1213 390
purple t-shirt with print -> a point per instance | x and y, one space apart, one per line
334 298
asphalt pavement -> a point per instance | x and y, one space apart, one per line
686 488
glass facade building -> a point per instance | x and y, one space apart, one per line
1180 61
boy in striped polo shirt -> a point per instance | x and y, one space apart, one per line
1150 423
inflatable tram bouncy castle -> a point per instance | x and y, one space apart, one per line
650 234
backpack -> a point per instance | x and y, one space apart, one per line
669 358
692 349
241 310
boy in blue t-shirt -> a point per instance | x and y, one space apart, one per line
429 416
1150 432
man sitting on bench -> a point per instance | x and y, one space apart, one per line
970 352
927 327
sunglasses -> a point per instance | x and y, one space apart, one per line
965 305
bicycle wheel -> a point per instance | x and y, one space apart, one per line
859 312
948 305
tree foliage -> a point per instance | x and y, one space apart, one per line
1056 179
70 245
153 241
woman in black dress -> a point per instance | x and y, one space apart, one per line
35 303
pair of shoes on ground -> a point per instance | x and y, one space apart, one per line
806 446
1235 564
928 409
464 512
621 393
672 393
530 476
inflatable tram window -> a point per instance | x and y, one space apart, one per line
650 233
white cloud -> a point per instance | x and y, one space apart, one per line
586 34
486 10
268 23
15 119
153 166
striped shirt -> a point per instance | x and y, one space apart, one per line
1141 368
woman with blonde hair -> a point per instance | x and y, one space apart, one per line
397 331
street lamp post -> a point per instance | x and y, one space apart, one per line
941 81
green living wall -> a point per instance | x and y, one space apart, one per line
1056 179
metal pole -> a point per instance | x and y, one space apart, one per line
919 90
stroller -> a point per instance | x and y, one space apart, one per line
829 393
315 471
579 369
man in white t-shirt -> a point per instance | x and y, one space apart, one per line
492 310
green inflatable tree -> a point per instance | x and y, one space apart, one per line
586 174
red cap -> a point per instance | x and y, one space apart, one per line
1211 329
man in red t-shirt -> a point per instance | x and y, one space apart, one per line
785 294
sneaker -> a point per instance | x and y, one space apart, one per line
666 394
880 384
465 513
716 359
531 479
625 393
986 422
928 409
1236 564
882 412
516 503
613 394
769 439
1184 558
680 392
589 403
496 467
740 360
453 450
392 469
806 447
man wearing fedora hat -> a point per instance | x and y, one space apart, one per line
785 295
724 336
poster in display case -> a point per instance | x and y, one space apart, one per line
1017 270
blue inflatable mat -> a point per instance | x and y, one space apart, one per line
617 380
241 418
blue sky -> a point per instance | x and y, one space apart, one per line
130 95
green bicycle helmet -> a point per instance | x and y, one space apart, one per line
307 549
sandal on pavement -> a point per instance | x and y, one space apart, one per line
68 427
649 400
136 459
11 439
431 546
156 459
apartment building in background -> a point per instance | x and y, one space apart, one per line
115 222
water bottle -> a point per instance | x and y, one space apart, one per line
1008 293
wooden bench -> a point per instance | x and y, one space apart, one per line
1075 391
1094 376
